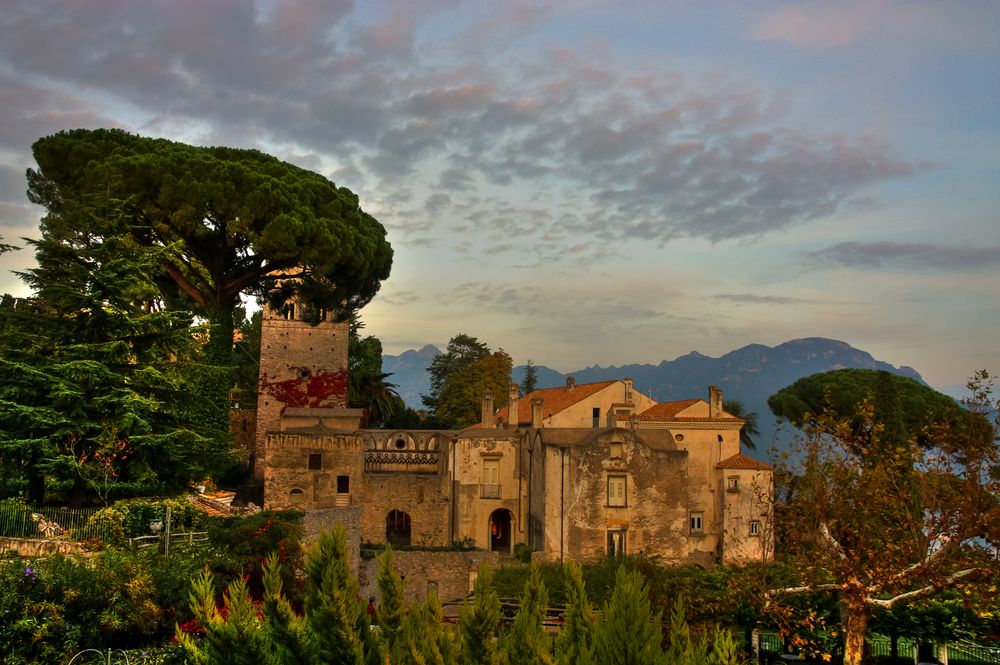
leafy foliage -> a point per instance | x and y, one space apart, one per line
842 391
460 376
219 221
101 392
749 430
892 506
368 387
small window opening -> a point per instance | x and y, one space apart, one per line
733 484
315 461
343 484
696 521
400 444
754 528
597 416
296 496
615 449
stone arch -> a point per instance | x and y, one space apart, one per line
397 528
501 531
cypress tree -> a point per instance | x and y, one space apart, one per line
286 634
389 614
683 650
234 639
479 624
334 611
527 643
629 632
574 642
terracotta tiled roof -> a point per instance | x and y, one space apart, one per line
741 461
668 411
555 400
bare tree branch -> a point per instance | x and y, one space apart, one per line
928 590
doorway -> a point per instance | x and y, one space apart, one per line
500 530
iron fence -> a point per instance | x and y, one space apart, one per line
18 520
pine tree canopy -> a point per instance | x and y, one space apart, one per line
222 221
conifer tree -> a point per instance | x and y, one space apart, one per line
235 638
527 643
683 650
286 634
724 651
629 633
389 614
334 610
479 623
574 642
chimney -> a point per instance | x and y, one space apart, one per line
570 383
714 402
488 409
512 411
536 412
628 391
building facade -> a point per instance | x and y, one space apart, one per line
578 471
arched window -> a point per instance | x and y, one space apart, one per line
397 528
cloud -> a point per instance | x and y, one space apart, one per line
609 150
917 257
847 22
755 299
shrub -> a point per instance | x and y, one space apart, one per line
522 552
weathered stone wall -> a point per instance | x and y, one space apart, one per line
300 366
425 498
287 470
750 501
35 547
450 574
317 521
476 504
654 517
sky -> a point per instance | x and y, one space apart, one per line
583 182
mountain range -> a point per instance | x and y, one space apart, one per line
750 374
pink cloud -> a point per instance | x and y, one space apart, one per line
838 24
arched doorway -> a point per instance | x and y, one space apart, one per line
397 528
500 530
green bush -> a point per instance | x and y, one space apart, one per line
522 552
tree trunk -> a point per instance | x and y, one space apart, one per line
219 350
854 614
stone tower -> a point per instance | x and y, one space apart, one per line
302 366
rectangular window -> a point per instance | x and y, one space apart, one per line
343 484
491 479
616 491
733 484
615 449
616 543
597 416
491 472
754 528
315 461
696 521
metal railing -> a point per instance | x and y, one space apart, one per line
489 491
71 524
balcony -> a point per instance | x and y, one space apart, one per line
489 491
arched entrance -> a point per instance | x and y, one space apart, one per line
500 530
397 528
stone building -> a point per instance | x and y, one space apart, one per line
578 471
